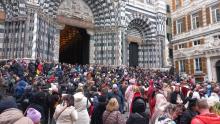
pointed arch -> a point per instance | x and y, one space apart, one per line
142 23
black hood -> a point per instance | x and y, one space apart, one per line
138 118
139 105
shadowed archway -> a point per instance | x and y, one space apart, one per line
218 70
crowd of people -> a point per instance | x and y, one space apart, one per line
38 92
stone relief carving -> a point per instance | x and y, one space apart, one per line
76 9
212 43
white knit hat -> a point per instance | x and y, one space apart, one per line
132 81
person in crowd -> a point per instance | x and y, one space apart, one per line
96 117
160 102
53 101
168 116
159 97
20 87
118 95
112 115
190 113
177 97
10 114
34 115
129 93
205 116
216 108
138 115
38 102
196 92
82 104
151 96
65 112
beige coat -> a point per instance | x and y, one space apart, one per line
14 116
68 116
80 102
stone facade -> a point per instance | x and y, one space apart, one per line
110 23
196 26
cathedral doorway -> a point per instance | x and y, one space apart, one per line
133 54
218 70
74 45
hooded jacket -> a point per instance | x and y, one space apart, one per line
81 104
19 90
138 115
14 116
151 98
210 118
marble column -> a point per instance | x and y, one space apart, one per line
209 68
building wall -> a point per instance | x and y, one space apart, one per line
37 33
197 38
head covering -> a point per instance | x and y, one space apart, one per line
54 88
114 86
132 81
192 102
139 105
7 103
34 115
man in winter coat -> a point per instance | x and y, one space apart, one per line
138 115
205 117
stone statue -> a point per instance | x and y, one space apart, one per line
166 53
76 9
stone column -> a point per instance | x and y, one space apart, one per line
56 51
209 69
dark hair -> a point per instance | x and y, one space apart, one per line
70 100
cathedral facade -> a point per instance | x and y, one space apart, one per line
121 32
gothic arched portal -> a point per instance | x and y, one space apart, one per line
140 31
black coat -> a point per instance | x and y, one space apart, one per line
138 118
138 115
97 114
174 97
187 116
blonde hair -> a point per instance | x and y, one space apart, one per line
216 108
112 105
136 89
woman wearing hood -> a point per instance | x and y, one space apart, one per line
65 112
151 98
138 115
81 104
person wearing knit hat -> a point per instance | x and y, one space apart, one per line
132 81
34 115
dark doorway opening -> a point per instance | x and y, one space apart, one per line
133 54
74 46
218 71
